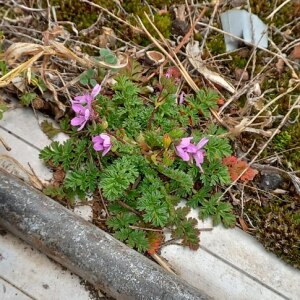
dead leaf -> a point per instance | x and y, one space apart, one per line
59 176
243 224
49 129
12 166
280 65
194 56
107 39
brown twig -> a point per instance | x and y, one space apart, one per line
145 228
182 43
276 131
103 202
7 148
120 202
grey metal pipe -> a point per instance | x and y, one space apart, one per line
83 248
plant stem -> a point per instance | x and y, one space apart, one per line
129 208
103 202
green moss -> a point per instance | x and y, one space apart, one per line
282 141
278 229
215 43
238 61
136 6
84 15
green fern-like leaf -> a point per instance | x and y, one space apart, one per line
219 211
154 207
49 129
83 180
225 215
188 232
122 220
217 148
133 238
204 101
58 154
181 181
202 194
137 239
117 177
215 173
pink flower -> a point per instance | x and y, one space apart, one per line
181 98
185 148
82 106
168 74
188 151
102 142
200 153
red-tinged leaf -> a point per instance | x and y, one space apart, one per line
249 175
229 160
220 101
236 167
155 240
174 73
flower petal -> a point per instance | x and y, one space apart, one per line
191 148
106 151
181 98
106 139
199 157
82 125
98 147
96 90
78 108
185 142
80 99
182 154
77 120
97 139
202 143
87 114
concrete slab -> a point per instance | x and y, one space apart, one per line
244 253
25 154
9 292
204 270
24 124
34 275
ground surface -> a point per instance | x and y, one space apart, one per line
266 83
25 273
229 264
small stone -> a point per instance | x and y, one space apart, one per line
280 65
241 73
179 27
270 181
244 53
85 212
